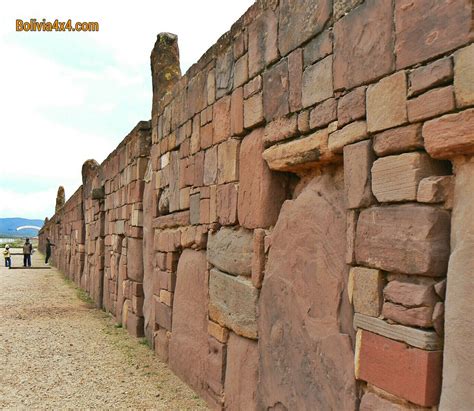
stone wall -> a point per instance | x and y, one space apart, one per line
281 231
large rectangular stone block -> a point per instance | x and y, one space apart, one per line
433 74
263 40
431 104
233 303
366 292
396 178
317 82
450 135
464 76
398 140
231 250
409 239
404 371
276 91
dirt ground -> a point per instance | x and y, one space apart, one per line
58 352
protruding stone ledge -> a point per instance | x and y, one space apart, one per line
304 153
179 219
426 340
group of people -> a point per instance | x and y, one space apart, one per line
27 252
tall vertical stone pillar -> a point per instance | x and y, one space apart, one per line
458 370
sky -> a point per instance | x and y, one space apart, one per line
66 97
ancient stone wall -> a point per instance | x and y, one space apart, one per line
283 241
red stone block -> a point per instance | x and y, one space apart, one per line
221 120
323 114
431 104
275 91
433 74
163 315
363 44
215 367
295 76
135 325
427 28
262 42
206 136
198 169
351 107
226 199
280 129
253 87
237 112
404 371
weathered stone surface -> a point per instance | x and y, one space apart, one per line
233 303
323 114
427 28
410 239
258 257
363 45
431 104
372 402
300 154
384 363
228 161
263 40
464 76
458 372
351 224
161 343
221 119
261 191
409 294
253 111
317 82
215 367
318 48
342 7
398 140
351 106
396 178
438 318
416 316
135 259
241 71
435 189
450 135
241 374
387 102
224 73
431 75
309 16
237 112
219 333
275 91
426 340
280 129
295 74
303 305
210 166
351 133
226 203
367 290
230 250
358 159
188 344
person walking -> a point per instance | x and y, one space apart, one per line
49 244
7 256
27 251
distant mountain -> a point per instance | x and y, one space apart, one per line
8 227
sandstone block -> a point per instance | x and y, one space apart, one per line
300 154
231 250
387 102
194 207
384 363
206 136
135 259
263 40
431 75
166 298
221 119
204 211
358 159
253 87
351 106
253 111
409 294
224 72
135 325
363 45
258 257
237 112
424 339
161 343
351 224
280 129
189 341
323 114
275 91
261 191
317 82
241 374
416 316
295 77
396 178
450 135
351 133
372 402
309 16
228 161
318 48
422 32
303 304
464 77
163 315
215 367
398 140
221 334
367 290
210 166
431 104
435 189
438 318
241 71
410 239
226 203
233 303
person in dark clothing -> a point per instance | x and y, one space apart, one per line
27 251
49 244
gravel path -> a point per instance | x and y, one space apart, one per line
58 352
